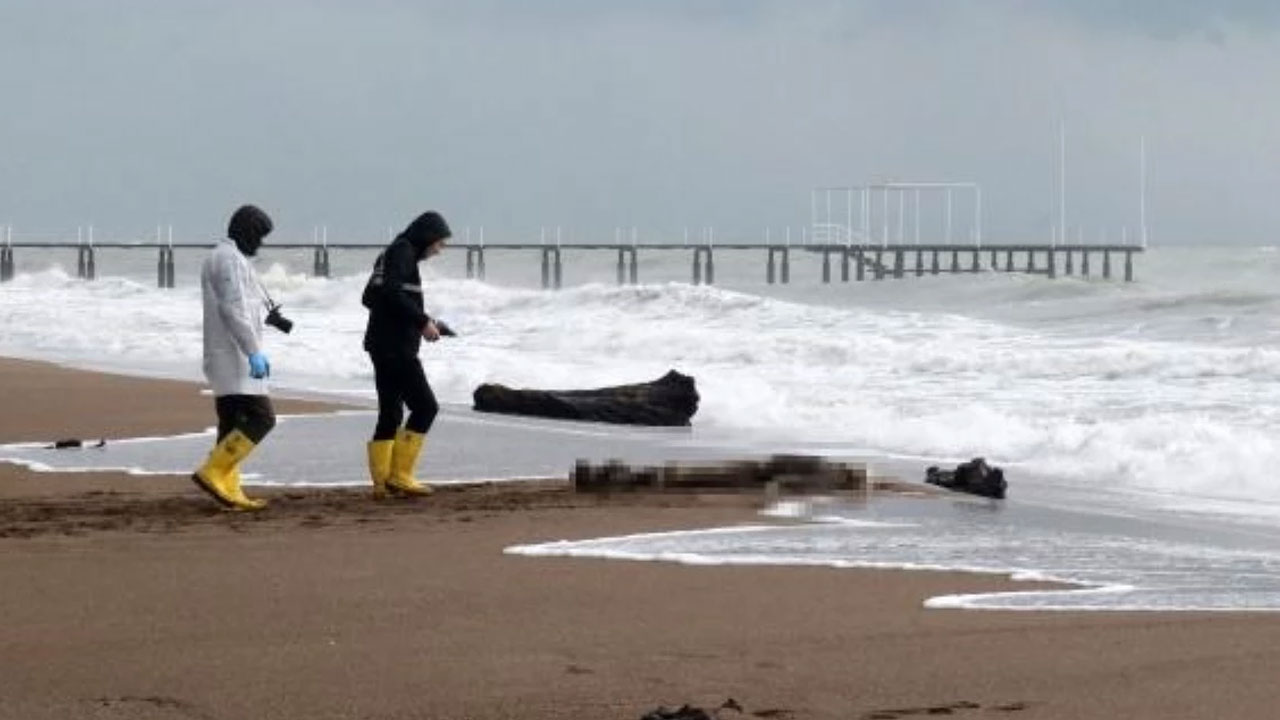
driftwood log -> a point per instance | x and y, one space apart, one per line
793 473
671 400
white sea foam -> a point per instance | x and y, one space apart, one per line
1128 411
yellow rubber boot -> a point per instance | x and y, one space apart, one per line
244 502
404 457
380 452
220 477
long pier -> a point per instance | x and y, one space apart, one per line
856 262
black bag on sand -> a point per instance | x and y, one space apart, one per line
975 477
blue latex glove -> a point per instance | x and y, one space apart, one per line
259 367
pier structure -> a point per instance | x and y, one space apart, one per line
848 244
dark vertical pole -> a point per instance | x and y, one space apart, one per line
1106 264
1008 261
826 266
975 264
160 271
697 266
879 265
995 260
91 271
6 264
622 254
1070 262
471 263
786 266
935 268
1053 263
635 261
859 258
322 261
168 268
480 263
559 275
919 263
955 261
1128 266
844 265
711 267
80 262
769 269
1031 260
546 269
1084 263
898 261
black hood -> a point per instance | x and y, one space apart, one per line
248 226
426 229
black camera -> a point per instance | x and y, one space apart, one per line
278 321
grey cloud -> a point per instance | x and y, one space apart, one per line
590 114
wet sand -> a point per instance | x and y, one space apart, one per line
128 597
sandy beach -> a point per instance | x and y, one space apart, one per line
129 597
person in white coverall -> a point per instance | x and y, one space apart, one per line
234 364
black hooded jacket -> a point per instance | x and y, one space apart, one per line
394 291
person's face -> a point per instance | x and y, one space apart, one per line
434 248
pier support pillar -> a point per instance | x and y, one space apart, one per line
955 261
859 257
1128 266
1031 260
1106 264
826 266
934 268
919 263
471 263
6 264
703 273
844 265
86 267
898 263
786 266
164 268
321 264
975 263
879 264
1070 263
1008 261
552 274
1084 263
475 263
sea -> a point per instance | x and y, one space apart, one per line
1137 423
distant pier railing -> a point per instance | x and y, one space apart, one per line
857 262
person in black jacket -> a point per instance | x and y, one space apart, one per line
397 326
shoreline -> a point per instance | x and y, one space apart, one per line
132 596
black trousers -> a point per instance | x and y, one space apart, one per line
250 414
400 381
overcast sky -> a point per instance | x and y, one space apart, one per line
514 114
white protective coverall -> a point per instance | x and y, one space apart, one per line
233 321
